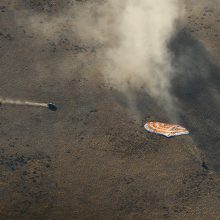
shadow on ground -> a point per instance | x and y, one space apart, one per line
197 88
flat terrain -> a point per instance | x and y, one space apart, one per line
92 159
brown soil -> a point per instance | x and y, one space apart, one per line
92 159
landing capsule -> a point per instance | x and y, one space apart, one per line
52 106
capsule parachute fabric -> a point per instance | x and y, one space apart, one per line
168 130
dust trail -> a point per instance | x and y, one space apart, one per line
135 55
196 153
134 38
19 102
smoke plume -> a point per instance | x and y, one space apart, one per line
141 58
135 35
19 102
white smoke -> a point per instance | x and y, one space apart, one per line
134 35
19 102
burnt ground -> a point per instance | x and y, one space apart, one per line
92 159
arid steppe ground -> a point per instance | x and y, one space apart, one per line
92 158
